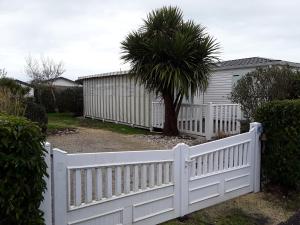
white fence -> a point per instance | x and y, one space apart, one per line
150 187
204 119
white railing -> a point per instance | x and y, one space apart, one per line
150 187
207 120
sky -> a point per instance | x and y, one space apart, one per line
86 35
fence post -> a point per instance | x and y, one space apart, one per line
181 153
46 204
60 186
209 121
257 154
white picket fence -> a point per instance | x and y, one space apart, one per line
150 187
207 120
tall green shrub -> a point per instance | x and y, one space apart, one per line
22 168
36 113
281 157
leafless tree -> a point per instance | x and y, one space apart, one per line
44 72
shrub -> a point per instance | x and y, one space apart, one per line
36 113
44 97
13 86
10 103
281 157
265 85
22 169
67 99
70 100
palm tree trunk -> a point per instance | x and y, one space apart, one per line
170 126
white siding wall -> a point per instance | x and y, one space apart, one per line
65 83
220 86
117 98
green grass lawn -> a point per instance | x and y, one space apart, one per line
61 121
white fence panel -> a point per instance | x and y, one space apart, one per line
207 120
224 169
115 188
150 187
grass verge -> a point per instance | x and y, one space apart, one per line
62 121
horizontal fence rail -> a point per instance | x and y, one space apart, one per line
150 187
207 120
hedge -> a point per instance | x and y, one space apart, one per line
36 113
67 99
281 156
22 169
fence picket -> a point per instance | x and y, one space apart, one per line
78 187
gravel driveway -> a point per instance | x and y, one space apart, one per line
98 140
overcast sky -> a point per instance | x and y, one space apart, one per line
86 35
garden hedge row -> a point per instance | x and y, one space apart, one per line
67 99
22 169
281 156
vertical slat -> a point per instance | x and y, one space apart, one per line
108 182
217 119
99 183
221 118
210 162
231 158
226 159
78 187
159 174
70 187
144 176
244 153
199 165
166 173
234 119
193 168
225 118
247 153
127 179
221 160
240 147
216 160
136 178
151 175
118 180
89 186
205 164
236 154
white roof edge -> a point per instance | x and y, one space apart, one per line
116 73
124 72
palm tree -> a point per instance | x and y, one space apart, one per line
171 57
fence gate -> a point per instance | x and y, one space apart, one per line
218 171
150 187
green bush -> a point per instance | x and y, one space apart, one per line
281 156
22 169
44 97
67 99
70 100
36 113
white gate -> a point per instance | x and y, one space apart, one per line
150 187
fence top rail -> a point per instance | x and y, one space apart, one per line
213 104
216 145
183 104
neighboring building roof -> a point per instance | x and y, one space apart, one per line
22 83
223 65
252 62
63 78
